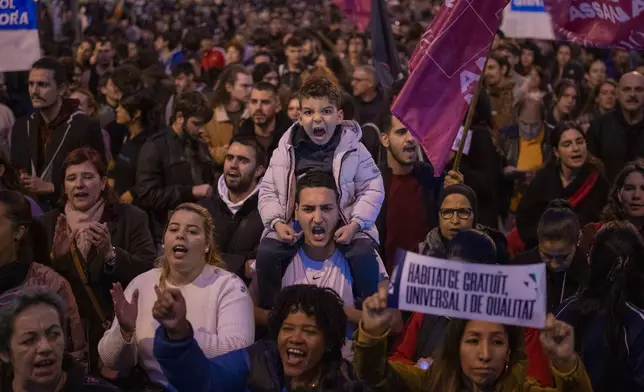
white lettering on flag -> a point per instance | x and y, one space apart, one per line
18 34
508 294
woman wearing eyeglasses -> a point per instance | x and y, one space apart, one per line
458 211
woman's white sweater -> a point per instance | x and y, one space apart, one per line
219 309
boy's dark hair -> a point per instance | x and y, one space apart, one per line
192 104
293 42
52 64
184 67
127 78
265 86
321 87
559 223
250 141
315 179
319 302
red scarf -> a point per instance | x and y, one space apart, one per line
584 189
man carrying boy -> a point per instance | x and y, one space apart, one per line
320 141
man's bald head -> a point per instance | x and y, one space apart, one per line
630 93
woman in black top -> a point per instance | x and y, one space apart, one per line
139 114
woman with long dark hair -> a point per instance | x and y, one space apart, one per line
608 315
475 356
574 175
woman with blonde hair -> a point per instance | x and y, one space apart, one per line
218 304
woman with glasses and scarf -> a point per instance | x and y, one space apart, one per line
458 211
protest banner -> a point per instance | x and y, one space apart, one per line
506 294
600 23
527 19
18 35
445 70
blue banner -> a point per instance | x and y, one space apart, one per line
18 15
527 6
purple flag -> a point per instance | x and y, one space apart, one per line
445 69
357 11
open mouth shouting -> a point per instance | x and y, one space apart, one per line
295 357
45 366
179 251
577 159
319 132
81 196
319 233
232 175
410 150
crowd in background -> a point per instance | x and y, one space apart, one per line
211 195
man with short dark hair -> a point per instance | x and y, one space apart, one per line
291 70
233 205
267 123
185 81
369 97
41 141
174 165
170 53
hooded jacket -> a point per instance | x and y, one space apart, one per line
357 178
40 149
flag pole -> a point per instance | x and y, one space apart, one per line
470 115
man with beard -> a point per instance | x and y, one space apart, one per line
410 208
617 137
174 165
41 141
233 205
267 123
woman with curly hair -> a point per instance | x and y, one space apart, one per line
307 329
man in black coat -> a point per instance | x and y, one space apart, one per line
267 123
174 165
410 208
41 141
617 137
233 205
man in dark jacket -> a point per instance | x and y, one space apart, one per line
41 141
617 137
409 210
233 206
174 165
370 100
267 123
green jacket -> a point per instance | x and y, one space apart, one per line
372 367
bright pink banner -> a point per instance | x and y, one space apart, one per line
613 23
446 67
356 11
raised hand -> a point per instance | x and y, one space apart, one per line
63 238
126 312
170 311
376 317
558 341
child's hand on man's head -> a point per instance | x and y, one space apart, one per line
345 234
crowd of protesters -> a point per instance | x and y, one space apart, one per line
210 196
